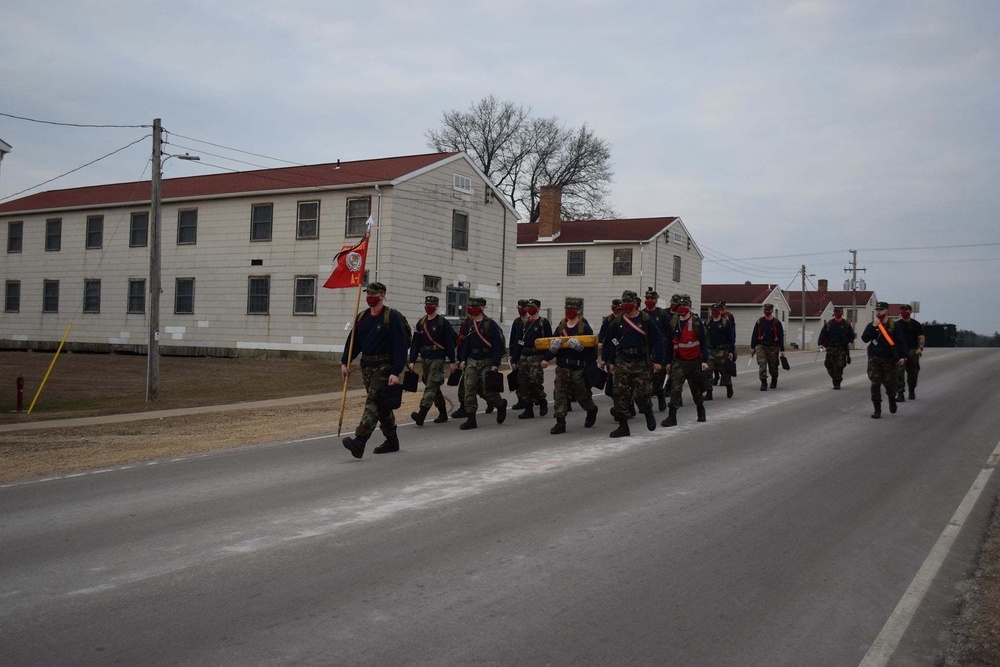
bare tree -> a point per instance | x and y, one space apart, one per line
520 154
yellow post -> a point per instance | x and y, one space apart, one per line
37 393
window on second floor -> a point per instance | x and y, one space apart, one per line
138 232
12 297
184 296
53 234
432 283
95 231
50 296
307 225
359 209
258 295
261 220
622 262
576 262
136 296
677 268
187 226
459 230
15 236
305 296
462 183
91 296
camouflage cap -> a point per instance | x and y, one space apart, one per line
630 296
616 303
838 309
477 301
674 298
574 302
905 306
375 288
722 303
431 301
882 305
522 303
769 306
684 300
651 294
535 302
718 305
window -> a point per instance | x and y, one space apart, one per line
576 262
136 296
679 238
462 183
308 220
12 297
91 296
459 230
623 262
677 268
187 226
95 231
15 236
432 283
53 234
458 299
138 233
259 295
184 296
50 296
261 217
305 296
359 209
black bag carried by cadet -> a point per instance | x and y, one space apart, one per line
392 396
848 356
455 377
595 375
513 380
731 368
784 363
410 379
494 381
609 385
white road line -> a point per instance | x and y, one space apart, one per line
888 639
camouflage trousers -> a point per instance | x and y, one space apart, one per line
908 374
433 377
571 384
682 370
376 380
637 376
882 372
475 385
660 381
767 360
717 363
836 361
531 376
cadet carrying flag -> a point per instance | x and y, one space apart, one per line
349 266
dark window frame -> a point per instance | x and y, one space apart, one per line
574 258
259 301
53 239
307 298
50 296
432 283
183 296
95 232
456 301
12 301
261 229
356 225
131 298
187 229
300 220
15 239
677 269
92 295
459 230
619 265
134 229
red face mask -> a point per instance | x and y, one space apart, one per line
521 312
716 313
683 310
838 316
881 316
571 313
768 314
430 309
905 314
475 311
532 311
372 300
650 304
628 306
616 310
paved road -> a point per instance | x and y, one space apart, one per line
782 532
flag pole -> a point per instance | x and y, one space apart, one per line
350 345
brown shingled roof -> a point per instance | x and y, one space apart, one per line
589 231
287 178
736 294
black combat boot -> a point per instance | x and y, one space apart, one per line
900 398
529 413
418 417
892 404
502 411
913 395
763 384
774 382
442 417
391 444
560 426
729 391
708 393
701 413
460 413
650 420
622 429
661 401
489 408
470 422
543 408
591 418
877 414
356 446
836 384
671 419
521 404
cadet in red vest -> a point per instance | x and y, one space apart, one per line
687 357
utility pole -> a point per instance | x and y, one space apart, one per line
153 346
853 270
803 343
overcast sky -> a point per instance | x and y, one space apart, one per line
782 133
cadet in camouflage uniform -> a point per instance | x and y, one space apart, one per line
721 335
687 355
379 336
516 329
662 318
434 341
886 351
769 335
528 361
836 336
570 362
482 350
914 334
633 351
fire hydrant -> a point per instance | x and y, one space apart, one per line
20 393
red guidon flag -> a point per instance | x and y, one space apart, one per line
350 266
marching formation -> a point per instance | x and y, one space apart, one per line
640 352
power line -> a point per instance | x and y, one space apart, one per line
51 122
237 150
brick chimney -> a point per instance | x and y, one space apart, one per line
549 212
822 285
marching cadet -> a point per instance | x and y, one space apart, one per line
482 350
769 336
836 336
721 336
379 336
633 351
570 362
914 334
687 356
616 310
886 351
732 325
434 341
516 330
528 361
662 319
